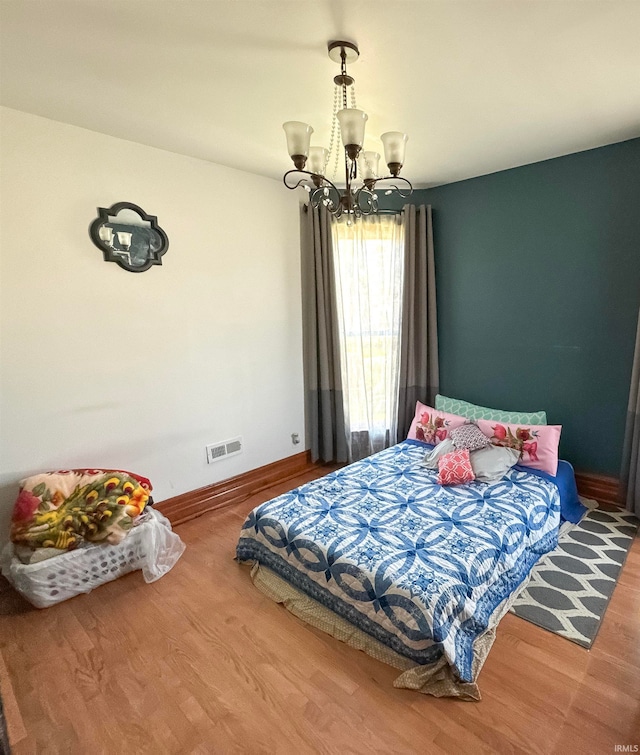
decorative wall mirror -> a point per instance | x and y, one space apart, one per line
129 237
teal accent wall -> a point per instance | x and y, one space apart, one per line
538 275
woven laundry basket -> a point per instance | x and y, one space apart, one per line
151 546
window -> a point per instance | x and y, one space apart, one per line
369 265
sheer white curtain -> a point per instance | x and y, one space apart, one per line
369 267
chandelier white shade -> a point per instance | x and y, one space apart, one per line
298 138
318 158
352 123
311 162
370 165
394 147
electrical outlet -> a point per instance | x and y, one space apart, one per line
295 438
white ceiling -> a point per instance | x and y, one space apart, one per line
479 85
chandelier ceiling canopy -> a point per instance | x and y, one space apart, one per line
361 166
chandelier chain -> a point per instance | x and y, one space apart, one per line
334 126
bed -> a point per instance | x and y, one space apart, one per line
418 575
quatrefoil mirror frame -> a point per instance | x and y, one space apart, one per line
135 245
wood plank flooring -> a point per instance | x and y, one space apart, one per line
201 662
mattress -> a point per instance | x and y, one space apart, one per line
423 569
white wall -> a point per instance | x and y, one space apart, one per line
102 367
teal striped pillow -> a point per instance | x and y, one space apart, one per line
473 411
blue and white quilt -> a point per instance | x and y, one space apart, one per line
418 566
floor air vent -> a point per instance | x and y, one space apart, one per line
217 451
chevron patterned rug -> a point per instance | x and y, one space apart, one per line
570 587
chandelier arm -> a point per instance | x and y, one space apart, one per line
371 206
327 194
329 197
328 185
405 191
305 176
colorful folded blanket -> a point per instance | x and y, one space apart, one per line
64 509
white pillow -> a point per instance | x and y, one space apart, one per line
431 457
492 463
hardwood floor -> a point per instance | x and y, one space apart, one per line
201 662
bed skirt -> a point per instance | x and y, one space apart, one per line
437 679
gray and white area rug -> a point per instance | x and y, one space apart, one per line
570 587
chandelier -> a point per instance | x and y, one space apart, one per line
361 167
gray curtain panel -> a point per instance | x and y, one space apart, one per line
630 473
419 372
321 344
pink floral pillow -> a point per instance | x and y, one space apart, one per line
455 468
431 425
538 444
